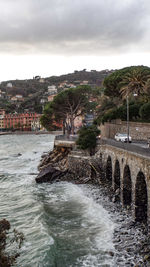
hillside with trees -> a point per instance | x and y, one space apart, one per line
32 91
93 77
132 82
66 106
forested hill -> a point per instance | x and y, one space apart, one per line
32 94
37 83
93 77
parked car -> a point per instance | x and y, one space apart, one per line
122 137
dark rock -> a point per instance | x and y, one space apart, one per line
17 155
49 174
111 253
147 257
44 155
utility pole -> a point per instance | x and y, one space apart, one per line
128 119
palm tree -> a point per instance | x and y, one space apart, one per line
134 83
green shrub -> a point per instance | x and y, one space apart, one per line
87 137
145 111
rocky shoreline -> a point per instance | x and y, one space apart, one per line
132 241
54 168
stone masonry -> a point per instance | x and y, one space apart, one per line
136 165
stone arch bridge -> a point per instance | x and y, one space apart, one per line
128 168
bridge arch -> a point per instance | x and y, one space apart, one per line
109 169
117 175
141 198
127 187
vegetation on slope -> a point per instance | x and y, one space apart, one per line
132 82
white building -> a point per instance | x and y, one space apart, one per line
9 85
19 96
35 124
52 88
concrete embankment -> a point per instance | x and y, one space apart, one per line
30 132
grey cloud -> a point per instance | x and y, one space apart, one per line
65 26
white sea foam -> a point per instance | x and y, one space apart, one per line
60 221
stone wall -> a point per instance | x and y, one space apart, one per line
79 165
138 131
136 163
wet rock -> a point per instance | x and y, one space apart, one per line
111 253
49 175
147 257
17 155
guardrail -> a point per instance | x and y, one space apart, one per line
132 147
66 137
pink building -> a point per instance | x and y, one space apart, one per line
20 121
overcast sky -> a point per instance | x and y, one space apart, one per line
53 37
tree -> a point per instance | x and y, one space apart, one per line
134 82
113 82
147 87
121 112
87 137
66 106
145 111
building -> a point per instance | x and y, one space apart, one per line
19 96
35 124
52 88
43 100
2 115
51 97
18 121
9 85
14 99
78 122
84 82
41 80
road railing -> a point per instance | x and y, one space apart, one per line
132 147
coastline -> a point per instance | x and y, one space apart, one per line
30 132
126 229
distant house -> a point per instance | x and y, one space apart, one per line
14 99
9 85
3 95
63 84
89 119
35 124
51 97
43 100
77 82
78 122
41 80
51 88
2 112
19 96
84 82
2 115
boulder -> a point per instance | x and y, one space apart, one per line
49 174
